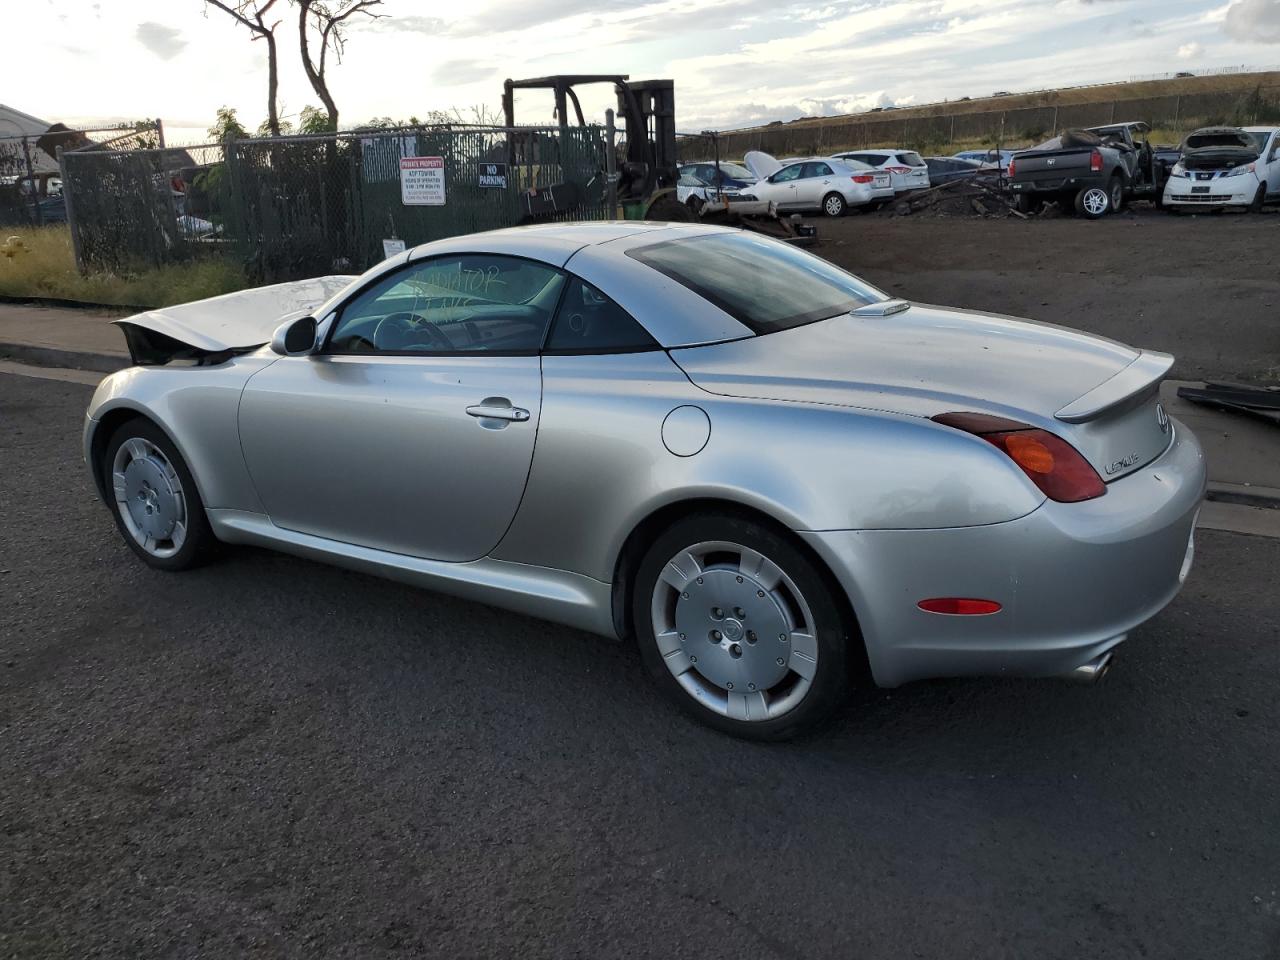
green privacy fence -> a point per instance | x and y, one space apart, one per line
292 207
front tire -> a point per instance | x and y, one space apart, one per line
1259 199
738 625
833 205
153 498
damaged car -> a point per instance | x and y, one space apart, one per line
778 481
1096 170
1226 167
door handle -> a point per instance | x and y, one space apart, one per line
498 408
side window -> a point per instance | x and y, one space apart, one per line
818 170
465 303
788 173
589 322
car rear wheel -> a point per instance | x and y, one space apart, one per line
153 498
738 625
1095 202
833 205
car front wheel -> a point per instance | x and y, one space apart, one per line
153 498
738 625
833 205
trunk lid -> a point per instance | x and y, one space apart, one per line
922 360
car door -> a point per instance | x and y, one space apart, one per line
815 182
412 429
781 187
1272 153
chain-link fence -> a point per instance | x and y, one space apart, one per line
30 180
292 207
1022 126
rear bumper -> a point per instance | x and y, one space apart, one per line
1067 184
1073 579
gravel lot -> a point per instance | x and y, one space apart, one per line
1205 288
269 758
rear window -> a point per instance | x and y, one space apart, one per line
910 159
875 159
764 284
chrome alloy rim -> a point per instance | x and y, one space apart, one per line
149 497
735 631
1096 200
833 206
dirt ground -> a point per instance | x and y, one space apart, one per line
1205 288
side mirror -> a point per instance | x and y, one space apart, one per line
295 338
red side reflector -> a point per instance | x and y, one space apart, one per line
959 606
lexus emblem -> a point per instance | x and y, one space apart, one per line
1162 418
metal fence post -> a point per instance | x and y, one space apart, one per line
31 179
611 163
159 133
67 192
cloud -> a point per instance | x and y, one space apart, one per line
1189 51
461 72
165 42
1253 21
431 26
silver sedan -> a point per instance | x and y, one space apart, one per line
775 479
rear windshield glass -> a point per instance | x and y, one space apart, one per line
911 159
765 284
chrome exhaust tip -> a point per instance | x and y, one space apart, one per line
1091 672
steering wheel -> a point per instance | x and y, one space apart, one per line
399 331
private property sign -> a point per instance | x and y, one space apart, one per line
422 181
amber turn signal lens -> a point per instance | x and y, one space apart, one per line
1029 453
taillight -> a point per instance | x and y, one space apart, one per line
1011 165
1053 465
1095 161
898 169
863 178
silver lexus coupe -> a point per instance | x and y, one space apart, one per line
771 475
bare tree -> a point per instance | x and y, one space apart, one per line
253 14
327 19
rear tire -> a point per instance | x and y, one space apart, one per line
153 498
1026 203
736 624
833 205
1096 202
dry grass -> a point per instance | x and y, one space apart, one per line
40 263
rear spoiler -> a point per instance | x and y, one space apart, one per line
1146 371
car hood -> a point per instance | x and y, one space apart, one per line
761 164
234 321
922 360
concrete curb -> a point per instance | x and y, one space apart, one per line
1244 494
74 304
72 359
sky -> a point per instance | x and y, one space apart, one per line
735 62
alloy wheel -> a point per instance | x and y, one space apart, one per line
1095 201
734 631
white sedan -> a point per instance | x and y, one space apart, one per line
827 185
907 167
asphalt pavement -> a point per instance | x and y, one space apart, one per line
268 757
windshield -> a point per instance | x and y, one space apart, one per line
736 170
764 284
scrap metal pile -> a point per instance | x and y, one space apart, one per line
978 196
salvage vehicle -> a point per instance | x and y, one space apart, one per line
770 475
1096 169
817 184
988 158
946 169
907 168
719 174
1226 167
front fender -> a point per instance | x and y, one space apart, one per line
196 407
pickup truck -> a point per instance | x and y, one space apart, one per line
1097 168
